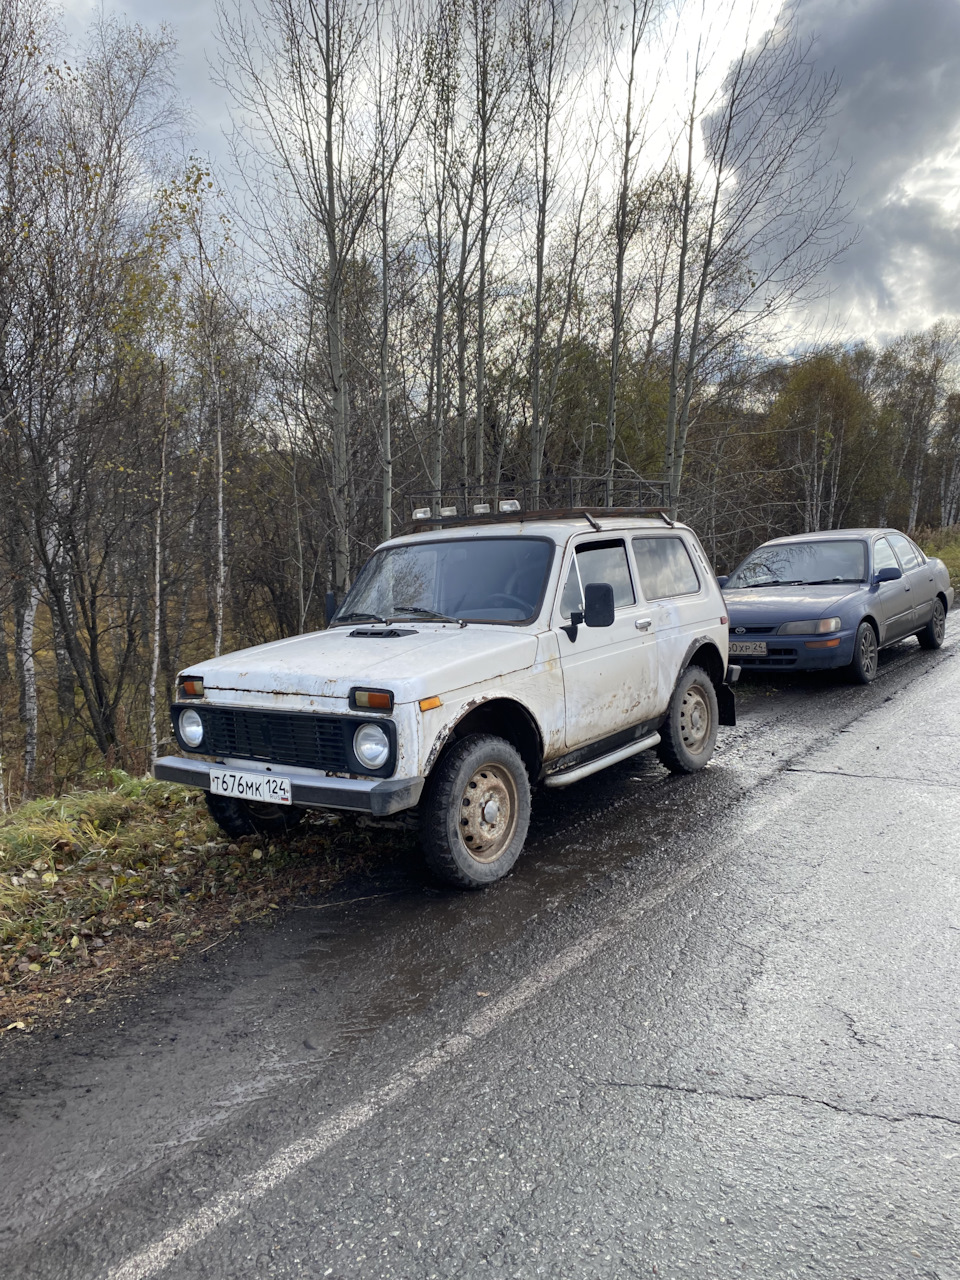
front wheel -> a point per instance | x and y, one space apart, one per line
865 662
931 636
238 818
689 733
475 816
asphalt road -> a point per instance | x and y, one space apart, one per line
709 1028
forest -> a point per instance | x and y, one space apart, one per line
461 248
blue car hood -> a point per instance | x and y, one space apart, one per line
765 606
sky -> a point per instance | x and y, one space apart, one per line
897 126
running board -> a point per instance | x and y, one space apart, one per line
594 766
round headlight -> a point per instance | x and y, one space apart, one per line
371 746
191 727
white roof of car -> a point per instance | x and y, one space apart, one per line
559 530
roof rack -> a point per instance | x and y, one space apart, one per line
591 514
587 498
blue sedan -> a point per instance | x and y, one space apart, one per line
834 599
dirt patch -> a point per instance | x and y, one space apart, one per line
98 887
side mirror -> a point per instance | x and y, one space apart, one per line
890 574
723 579
597 604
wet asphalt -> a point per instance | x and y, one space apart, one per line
709 1027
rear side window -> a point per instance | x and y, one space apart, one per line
883 557
665 568
598 562
908 553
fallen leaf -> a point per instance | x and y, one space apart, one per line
48 877
257 854
75 942
34 968
483 993
141 924
16 1026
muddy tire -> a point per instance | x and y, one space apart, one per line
931 636
475 815
689 733
866 655
238 818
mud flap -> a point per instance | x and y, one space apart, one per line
727 705
726 699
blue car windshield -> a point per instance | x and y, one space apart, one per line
454 579
803 564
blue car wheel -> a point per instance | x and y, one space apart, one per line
931 636
865 654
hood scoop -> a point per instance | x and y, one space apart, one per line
382 633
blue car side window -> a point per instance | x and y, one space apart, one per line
883 557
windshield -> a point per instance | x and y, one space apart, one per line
457 579
803 564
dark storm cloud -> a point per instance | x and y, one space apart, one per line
899 105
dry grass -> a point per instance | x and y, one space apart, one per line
945 543
97 884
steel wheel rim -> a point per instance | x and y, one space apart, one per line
695 719
488 812
939 622
868 651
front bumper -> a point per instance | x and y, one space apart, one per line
791 653
308 791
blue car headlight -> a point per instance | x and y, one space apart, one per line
810 627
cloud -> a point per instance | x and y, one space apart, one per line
898 121
193 23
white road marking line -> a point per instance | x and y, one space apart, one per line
158 1255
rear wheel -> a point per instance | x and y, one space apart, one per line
866 655
689 733
475 816
238 818
931 636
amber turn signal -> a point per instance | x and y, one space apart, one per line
372 699
428 704
822 644
191 687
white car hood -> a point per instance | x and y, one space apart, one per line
424 660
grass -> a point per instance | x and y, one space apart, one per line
95 885
944 543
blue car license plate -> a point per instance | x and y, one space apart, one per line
749 648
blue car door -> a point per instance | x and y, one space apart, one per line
894 599
919 576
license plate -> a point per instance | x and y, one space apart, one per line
265 787
749 648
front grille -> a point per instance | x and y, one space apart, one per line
751 631
293 738
772 658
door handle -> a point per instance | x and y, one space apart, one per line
642 624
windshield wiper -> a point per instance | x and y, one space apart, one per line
828 582
400 609
774 582
360 616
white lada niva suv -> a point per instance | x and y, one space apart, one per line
470 661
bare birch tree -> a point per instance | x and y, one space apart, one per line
760 212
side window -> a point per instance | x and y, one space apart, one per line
905 550
598 562
665 568
883 557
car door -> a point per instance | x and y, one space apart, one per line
609 673
675 591
894 601
919 577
